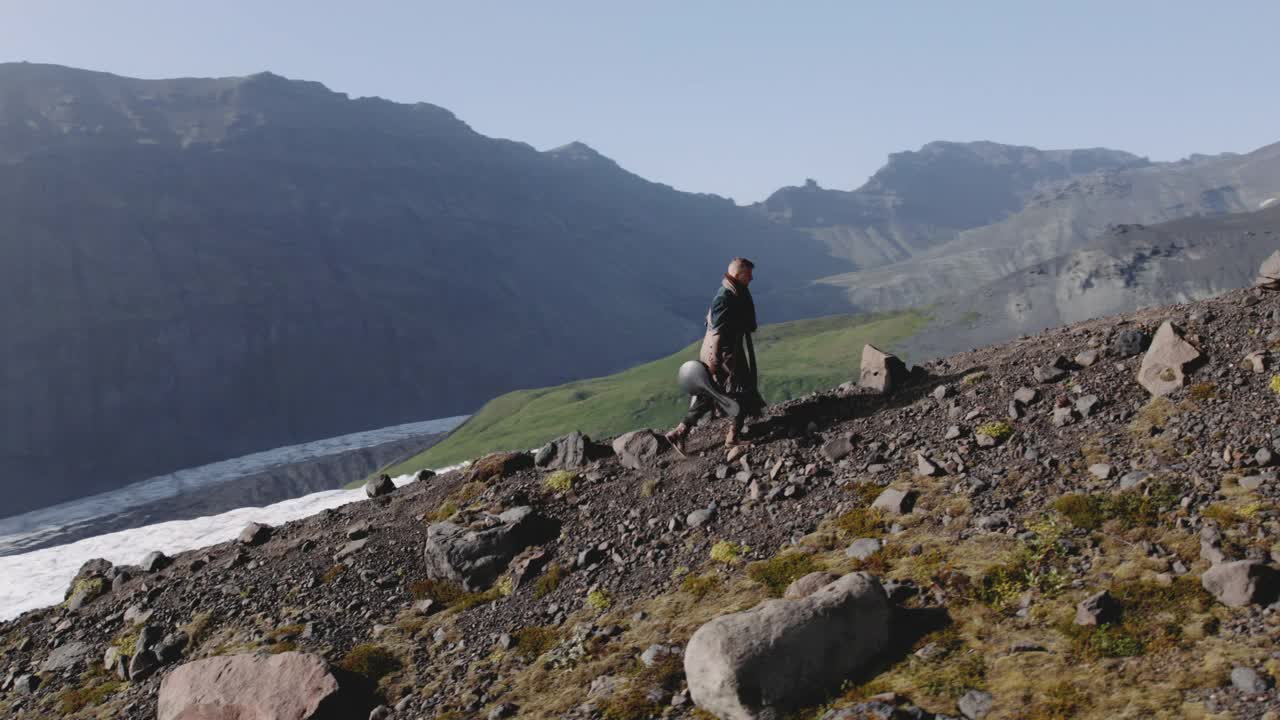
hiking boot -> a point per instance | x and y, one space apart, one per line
677 437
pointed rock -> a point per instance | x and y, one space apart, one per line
880 371
1164 366
895 502
638 449
379 486
1097 609
1269 273
925 466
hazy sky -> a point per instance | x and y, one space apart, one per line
734 97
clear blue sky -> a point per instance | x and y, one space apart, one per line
735 97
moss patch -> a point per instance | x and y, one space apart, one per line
561 481
776 573
549 581
727 552
532 642
371 661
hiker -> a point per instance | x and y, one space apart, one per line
728 354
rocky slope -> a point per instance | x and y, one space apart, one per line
196 269
1055 540
1128 267
1067 217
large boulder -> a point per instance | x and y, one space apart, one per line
380 486
1240 583
785 654
638 449
880 372
292 685
475 558
1164 366
569 452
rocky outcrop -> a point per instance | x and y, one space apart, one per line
1269 273
783 654
475 558
880 372
292 685
570 452
1164 367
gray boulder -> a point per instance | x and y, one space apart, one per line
255 534
1241 583
638 449
1097 609
65 656
291 685
475 558
379 486
570 452
1269 273
881 372
1164 367
862 548
894 501
1127 343
1247 680
975 704
155 561
785 654
837 449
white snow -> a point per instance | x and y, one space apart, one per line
1267 202
40 578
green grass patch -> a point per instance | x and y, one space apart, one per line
1275 384
531 642
795 358
372 661
549 581
1152 618
863 522
997 430
93 694
599 600
1131 508
700 586
729 553
451 595
779 571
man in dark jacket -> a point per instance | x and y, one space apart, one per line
727 353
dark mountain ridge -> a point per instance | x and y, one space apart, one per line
195 269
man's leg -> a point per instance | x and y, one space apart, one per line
699 406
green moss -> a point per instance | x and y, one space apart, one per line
863 522
700 586
776 573
91 587
561 481
996 430
549 581
1151 619
451 595
93 694
532 642
127 642
1275 384
1131 508
371 661
974 378
444 512
599 600
1202 391
728 552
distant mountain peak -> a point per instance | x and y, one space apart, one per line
580 152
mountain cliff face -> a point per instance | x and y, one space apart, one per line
1064 217
194 269
922 199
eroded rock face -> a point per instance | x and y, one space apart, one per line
1164 366
475 558
293 685
782 654
570 452
880 371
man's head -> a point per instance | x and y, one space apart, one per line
740 269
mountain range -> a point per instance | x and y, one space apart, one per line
193 269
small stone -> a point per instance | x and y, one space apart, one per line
1026 395
1252 482
1263 457
1256 361
1051 373
975 704
1164 366
1063 416
953 432
1247 680
837 449
1087 358
143 665
1133 479
925 466
894 501
655 653
1102 471
503 710
862 548
1097 609
1087 404
984 440
1016 412
382 712
698 518
942 392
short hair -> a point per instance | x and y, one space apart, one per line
741 262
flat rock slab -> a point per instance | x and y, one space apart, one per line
290 685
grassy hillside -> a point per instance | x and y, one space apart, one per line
795 358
